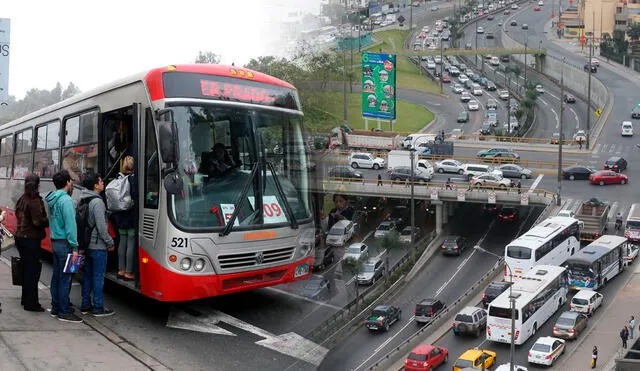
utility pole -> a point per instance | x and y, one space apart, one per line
561 139
345 113
589 95
411 16
441 68
476 45
351 52
412 154
526 40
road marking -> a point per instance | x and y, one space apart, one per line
575 115
444 285
551 94
596 149
535 183
386 342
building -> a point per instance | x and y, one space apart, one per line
598 16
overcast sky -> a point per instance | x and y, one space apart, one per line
94 42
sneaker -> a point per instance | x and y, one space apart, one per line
70 318
85 310
52 313
104 313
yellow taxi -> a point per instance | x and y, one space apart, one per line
474 358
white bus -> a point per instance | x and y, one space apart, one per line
600 261
632 224
550 242
538 295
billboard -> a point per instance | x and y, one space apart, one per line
379 85
4 60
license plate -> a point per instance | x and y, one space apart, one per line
301 270
373 327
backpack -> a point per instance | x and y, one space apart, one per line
118 193
82 221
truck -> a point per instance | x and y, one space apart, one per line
436 148
413 140
403 158
594 215
363 139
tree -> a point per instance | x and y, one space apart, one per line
207 58
634 31
70 91
388 242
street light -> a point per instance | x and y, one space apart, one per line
512 299
412 156
561 139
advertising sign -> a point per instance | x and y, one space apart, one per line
461 195
379 85
4 60
434 194
491 197
524 199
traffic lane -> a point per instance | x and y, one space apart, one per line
358 348
459 344
582 189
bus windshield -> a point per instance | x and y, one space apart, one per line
580 270
633 224
220 148
519 252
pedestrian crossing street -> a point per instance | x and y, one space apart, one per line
615 149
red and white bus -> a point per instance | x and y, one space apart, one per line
200 233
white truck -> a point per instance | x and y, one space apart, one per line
413 140
401 158
363 139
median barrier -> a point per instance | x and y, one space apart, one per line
386 361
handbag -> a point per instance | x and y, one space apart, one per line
17 270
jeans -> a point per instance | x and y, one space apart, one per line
29 249
60 281
95 265
126 249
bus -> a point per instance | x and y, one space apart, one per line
200 233
597 263
538 295
632 224
550 242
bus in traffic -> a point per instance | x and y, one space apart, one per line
597 263
632 224
550 242
204 229
538 295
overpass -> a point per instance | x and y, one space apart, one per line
444 199
479 51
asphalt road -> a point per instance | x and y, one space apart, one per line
444 277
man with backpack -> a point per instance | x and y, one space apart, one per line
94 238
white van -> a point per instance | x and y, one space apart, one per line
586 301
340 233
471 170
626 129
412 140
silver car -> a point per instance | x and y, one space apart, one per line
515 171
449 166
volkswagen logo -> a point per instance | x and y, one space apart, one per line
259 257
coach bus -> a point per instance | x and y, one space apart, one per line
632 224
202 230
538 295
597 263
550 242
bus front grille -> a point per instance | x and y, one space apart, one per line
254 259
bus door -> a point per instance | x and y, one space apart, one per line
120 130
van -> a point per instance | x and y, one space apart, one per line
340 233
471 170
626 129
494 61
586 301
632 224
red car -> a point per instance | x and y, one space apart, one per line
537 8
446 79
506 11
426 357
508 214
603 177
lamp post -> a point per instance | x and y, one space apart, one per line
412 156
512 299
526 40
441 67
561 139
589 95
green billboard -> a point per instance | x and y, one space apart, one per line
379 85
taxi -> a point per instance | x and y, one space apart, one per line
475 358
546 350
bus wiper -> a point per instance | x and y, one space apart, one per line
287 206
240 203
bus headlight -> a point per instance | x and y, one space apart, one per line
306 242
185 264
198 265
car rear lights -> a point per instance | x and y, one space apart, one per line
548 356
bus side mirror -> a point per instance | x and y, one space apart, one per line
168 138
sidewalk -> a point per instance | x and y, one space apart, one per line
604 333
36 341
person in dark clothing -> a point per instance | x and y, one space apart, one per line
624 335
341 211
379 179
32 222
519 185
594 357
126 224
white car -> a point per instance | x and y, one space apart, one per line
514 6
492 180
480 29
463 78
539 89
473 105
626 129
586 301
631 253
457 88
476 90
540 3
437 59
595 62
494 61
465 97
340 233
355 252
580 135
431 65
546 350
450 166
426 29
366 160
405 235
384 228
503 94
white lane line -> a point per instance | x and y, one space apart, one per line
575 115
444 285
535 183
551 94
385 343
596 149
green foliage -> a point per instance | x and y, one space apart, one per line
528 103
207 58
634 31
34 100
390 241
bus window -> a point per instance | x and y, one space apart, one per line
22 161
81 150
47 157
6 156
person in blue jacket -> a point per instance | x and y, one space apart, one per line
64 241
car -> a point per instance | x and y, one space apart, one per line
371 205
403 173
480 29
595 62
635 112
426 357
514 6
513 122
502 158
456 134
384 228
431 65
340 233
323 257
470 320
514 23
626 129
465 97
586 302
435 8
631 253
372 270
345 172
491 180
537 9
463 78
490 17
513 104
555 138
463 116
457 88
503 94
316 288
355 253
508 214
580 135
366 160
539 89
382 317
546 350
603 177
491 86
446 79
615 163
476 90
473 105
405 235
525 26
505 12
590 67
493 291
505 58
577 172
569 98
427 309
453 245
492 151
478 359
437 59
490 36
449 166
492 103
515 171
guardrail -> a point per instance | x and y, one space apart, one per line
385 361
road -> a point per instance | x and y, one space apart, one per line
445 278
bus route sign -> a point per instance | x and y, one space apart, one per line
4 60
379 85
